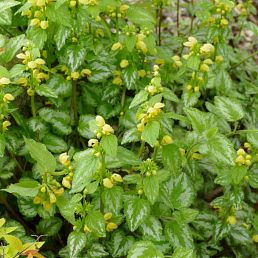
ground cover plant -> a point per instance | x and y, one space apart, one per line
128 128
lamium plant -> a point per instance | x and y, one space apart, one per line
128 128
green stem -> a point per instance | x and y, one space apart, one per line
32 103
245 59
159 25
103 168
123 98
141 149
242 131
74 103
155 152
59 173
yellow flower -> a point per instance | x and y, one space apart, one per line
117 178
255 238
4 81
231 220
85 72
219 59
100 121
124 8
241 152
66 182
21 56
6 124
140 44
240 160
52 197
117 80
196 89
75 75
151 89
93 143
142 73
40 3
159 105
72 3
208 61
111 226
8 97
107 183
39 61
32 64
64 158
166 140
204 68
224 22
124 63
207 49
44 25
35 22
117 46
192 41
107 129
108 216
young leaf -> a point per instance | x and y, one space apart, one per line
109 144
40 154
136 211
151 188
139 98
151 229
151 132
96 223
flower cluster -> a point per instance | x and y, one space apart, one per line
109 182
110 225
155 86
76 75
48 193
151 113
148 167
64 159
103 128
243 156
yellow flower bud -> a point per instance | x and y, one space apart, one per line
6 124
142 73
124 8
231 220
21 56
248 162
8 97
255 238
64 158
4 81
108 216
117 46
37 200
240 160
52 197
39 61
107 183
224 22
207 49
249 157
166 140
247 145
124 63
23 81
75 75
107 129
159 105
85 72
191 42
140 44
35 22
44 25
72 3
219 59
117 178
196 89
31 92
66 182
40 3
37 14
111 226
208 61
241 152
204 68
46 205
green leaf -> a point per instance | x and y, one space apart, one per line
40 154
130 42
6 17
96 223
144 249
100 72
183 253
54 143
120 243
229 108
44 90
185 215
86 165
169 95
151 188
109 144
252 137
193 62
136 211
76 242
190 98
129 76
26 187
151 229
62 35
6 4
219 149
83 127
13 45
178 192
172 158
73 56
38 36
26 207
57 15
97 251
140 16
139 98
112 199
178 234
66 204
150 132
51 226
2 145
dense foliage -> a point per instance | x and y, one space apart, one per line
128 128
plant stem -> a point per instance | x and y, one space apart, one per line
141 148
32 103
155 152
159 24
123 98
192 19
103 168
74 103
59 173
177 16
